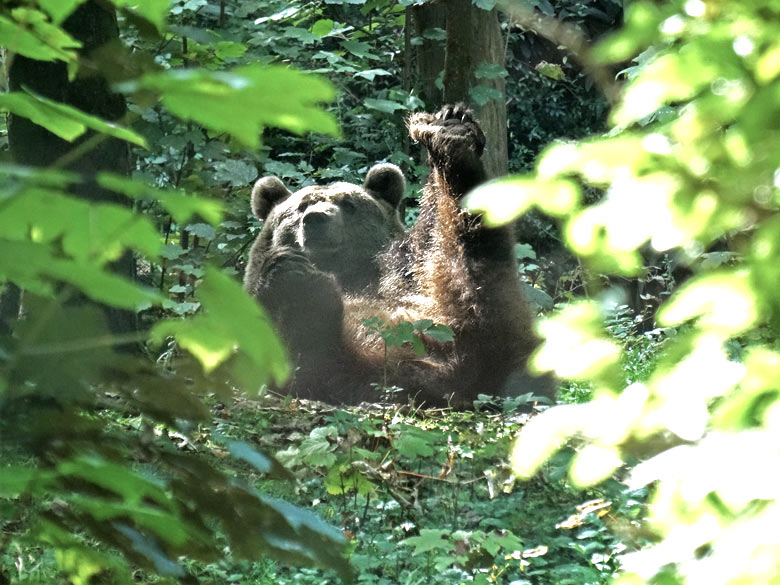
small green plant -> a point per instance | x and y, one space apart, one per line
405 332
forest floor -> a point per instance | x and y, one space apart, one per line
426 496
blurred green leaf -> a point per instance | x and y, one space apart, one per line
154 11
386 106
31 35
95 233
242 102
65 121
181 205
59 10
230 322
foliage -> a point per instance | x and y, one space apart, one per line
81 477
691 159
429 498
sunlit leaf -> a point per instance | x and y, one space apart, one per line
34 266
593 464
245 100
504 200
65 121
322 27
641 30
179 204
543 436
575 346
154 11
59 10
723 301
758 392
230 322
96 233
23 35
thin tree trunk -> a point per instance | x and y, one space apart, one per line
94 24
430 53
492 115
474 37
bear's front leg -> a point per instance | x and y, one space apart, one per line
306 304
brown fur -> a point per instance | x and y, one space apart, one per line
449 268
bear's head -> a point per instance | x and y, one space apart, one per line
341 228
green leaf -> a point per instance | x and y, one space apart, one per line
231 323
482 94
154 11
260 462
359 49
551 70
429 540
242 102
370 74
414 442
324 543
202 230
440 333
79 561
91 233
17 37
235 172
181 205
383 105
490 71
65 121
229 50
33 266
59 10
322 27
15 480
338 481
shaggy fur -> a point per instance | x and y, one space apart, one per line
449 268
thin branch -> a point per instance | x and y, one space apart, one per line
573 40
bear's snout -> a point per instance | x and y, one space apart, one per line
321 227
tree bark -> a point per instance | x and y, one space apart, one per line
430 53
94 24
474 37
492 115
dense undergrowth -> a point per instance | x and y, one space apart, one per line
424 496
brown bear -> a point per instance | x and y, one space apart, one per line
329 257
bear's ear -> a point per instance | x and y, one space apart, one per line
386 181
266 193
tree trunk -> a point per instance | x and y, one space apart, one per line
474 37
94 24
430 53
492 115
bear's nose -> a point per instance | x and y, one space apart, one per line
315 223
